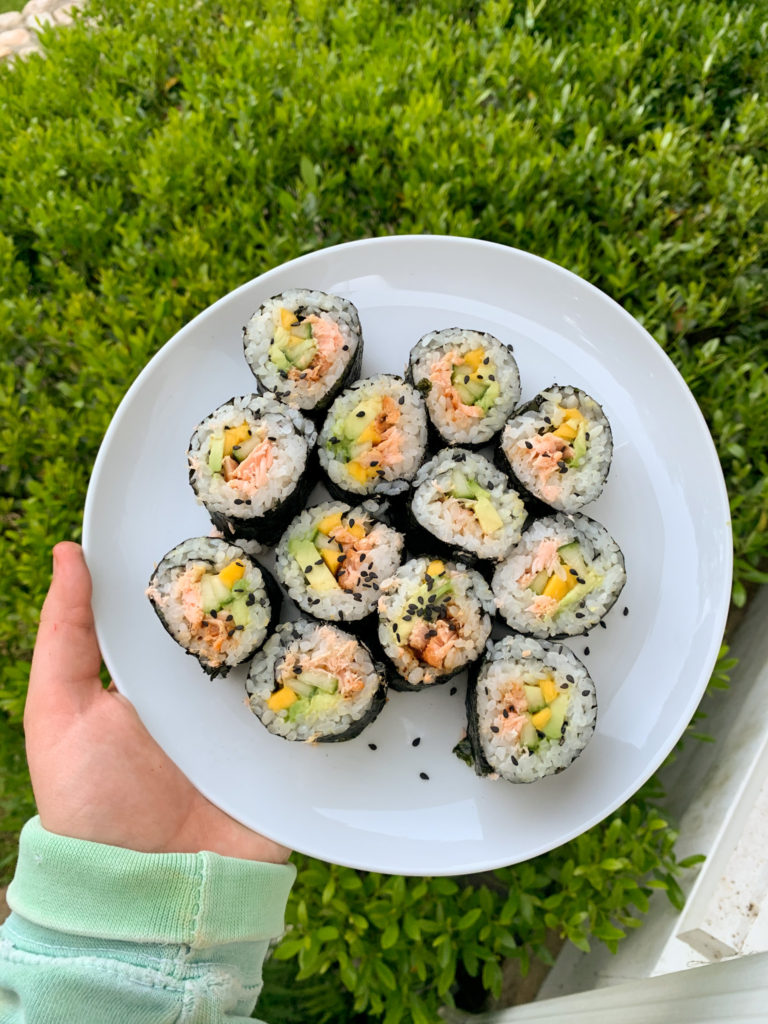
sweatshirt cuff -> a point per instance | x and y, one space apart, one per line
194 899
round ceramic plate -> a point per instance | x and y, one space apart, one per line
664 502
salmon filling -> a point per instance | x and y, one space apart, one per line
215 607
555 449
242 456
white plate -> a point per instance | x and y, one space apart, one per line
665 503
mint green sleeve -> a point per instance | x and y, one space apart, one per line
100 934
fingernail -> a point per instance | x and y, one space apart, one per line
55 561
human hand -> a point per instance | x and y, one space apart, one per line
97 774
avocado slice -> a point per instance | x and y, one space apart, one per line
579 445
319 577
361 416
559 709
489 519
490 397
279 358
321 681
238 609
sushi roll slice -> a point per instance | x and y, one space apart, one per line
332 559
470 381
315 683
250 465
463 507
304 346
561 579
434 620
559 448
531 711
215 601
374 438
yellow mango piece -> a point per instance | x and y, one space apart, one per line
574 416
540 719
235 435
474 358
566 431
232 573
557 588
328 523
287 318
331 559
435 568
282 699
359 472
370 435
548 689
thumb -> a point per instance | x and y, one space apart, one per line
67 660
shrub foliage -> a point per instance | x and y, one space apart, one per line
169 152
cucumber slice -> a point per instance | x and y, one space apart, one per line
538 582
216 453
321 681
239 611
528 736
213 593
460 486
298 685
535 700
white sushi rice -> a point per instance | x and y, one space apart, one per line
301 639
599 551
293 437
166 592
523 660
383 556
470 607
577 486
455 427
451 520
393 478
259 334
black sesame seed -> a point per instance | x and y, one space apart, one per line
513 760
401 400
372 746
416 742
452 691
486 360
239 627
528 444
579 615
603 624
580 580
547 420
585 693
345 348
423 775
491 376
505 713
238 501
230 618
569 678
586 650
573 572
360 414
626 611
307 570
486 691
586 434
494 728
213 613
230 633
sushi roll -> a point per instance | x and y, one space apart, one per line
250 465
561 579
470 382
374 438
332 559
531 710
215 601
315 683
559 448
463 507
434 620
304 346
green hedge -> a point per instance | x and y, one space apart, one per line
154 163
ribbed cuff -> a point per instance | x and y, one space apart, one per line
195 899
